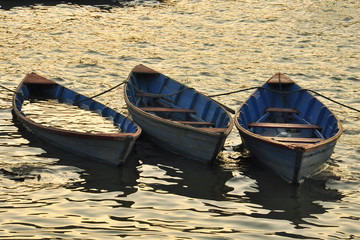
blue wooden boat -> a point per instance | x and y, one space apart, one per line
178 118
287 129
112 148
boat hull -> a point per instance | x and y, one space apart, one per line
110 148
292 164
195 144
113 152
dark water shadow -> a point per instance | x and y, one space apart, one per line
286 201
103 4
294 203
183 177
95 176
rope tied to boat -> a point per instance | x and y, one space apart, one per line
8 89
136 89
286 93
211 96
99 94
232 92
341 104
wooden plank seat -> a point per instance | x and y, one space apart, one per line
297 140
282 110
197 123
284 125
149 95
214 129
170 110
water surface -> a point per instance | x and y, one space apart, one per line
214 46
51 113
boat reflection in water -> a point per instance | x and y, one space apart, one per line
285 201
252 184
181 176
158 182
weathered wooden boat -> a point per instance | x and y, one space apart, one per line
287 129
177 117
112 148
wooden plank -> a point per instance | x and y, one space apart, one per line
33 78
197 123
282 110
284 125
170 110
215 129
297 140
144 70
149 95
280 78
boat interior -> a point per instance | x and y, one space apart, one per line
284 112
161 96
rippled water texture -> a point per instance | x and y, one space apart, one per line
60 115
214 46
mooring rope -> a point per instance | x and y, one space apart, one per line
211 96
136 89
8 89
286 93
232 92
354 109
99 94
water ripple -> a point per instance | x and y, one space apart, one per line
213 46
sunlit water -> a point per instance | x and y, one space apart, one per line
216 47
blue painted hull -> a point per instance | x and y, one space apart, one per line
201 143
283 160
110 148
198 145
287 129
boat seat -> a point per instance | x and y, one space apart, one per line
282 110
149 95
170 110
215 129
197 123
284 125
297 140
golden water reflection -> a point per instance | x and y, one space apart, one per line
215 47
51 113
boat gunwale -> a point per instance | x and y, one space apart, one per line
59 131
170 122
292 146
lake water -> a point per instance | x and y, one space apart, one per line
215 47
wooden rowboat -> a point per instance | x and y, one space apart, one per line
287 129
112 148
178 118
